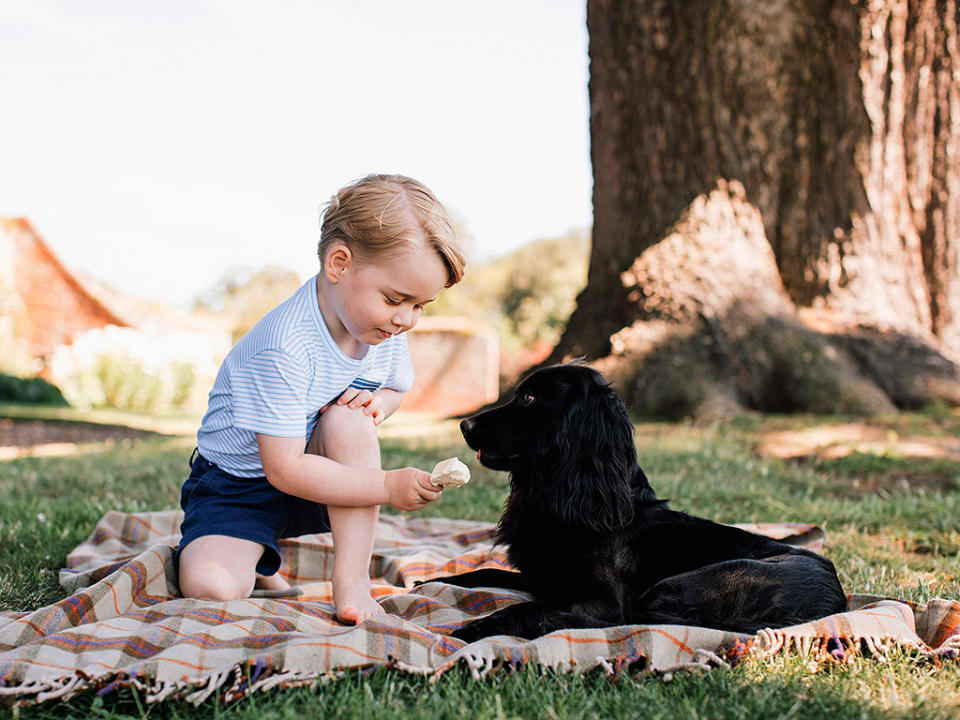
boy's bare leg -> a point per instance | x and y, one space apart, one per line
218 567
350 437
353 529
272 582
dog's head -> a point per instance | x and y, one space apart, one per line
567 440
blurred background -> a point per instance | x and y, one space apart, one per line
725 209
166 164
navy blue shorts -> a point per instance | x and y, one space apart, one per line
215 502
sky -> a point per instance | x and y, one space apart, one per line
158 144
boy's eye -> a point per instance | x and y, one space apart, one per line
391 301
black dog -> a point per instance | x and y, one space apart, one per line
594 545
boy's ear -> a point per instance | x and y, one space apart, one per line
337 261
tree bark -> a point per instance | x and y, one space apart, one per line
838 121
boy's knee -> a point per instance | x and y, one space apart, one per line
339 426
209 580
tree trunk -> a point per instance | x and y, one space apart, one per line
837 122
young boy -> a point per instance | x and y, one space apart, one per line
328 365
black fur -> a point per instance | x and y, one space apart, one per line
594 545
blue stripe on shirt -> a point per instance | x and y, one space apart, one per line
281 373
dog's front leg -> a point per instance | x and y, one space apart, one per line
488 577
528 620
581 615
512 620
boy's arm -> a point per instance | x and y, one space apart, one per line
314 477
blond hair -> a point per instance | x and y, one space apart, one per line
381 213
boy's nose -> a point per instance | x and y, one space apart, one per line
403 319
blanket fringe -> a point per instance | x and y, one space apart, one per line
704 659
248 677
821 649
950 648
212 684
193 692
67 689
486 660
479 665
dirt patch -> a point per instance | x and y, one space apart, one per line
828 442
24 438
870 459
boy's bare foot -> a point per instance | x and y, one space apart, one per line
272 582
353 601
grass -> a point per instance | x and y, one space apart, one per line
892 525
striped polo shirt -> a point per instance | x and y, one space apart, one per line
277 377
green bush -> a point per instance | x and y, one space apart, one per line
122 382
183 377
527 295
127 385
29 390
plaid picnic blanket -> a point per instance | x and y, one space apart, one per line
124 622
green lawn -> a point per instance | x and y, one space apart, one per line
893 527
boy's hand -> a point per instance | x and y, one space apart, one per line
410 489
354 398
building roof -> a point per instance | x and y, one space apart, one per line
20 226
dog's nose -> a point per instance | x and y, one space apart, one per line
466 425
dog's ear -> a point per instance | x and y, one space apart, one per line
586 467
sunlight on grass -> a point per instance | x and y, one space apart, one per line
168 424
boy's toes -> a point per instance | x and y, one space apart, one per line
356 615
348 615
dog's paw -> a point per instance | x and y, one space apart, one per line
448 579
477 630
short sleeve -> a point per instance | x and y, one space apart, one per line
401 367
269 395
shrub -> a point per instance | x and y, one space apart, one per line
139 370
33 390
527 295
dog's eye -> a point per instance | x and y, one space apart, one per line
527 399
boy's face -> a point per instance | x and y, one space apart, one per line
378 299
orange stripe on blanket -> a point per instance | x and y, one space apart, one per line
139 519
943 633
116 602
886 616
32 626
37 663
337 646
165 629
